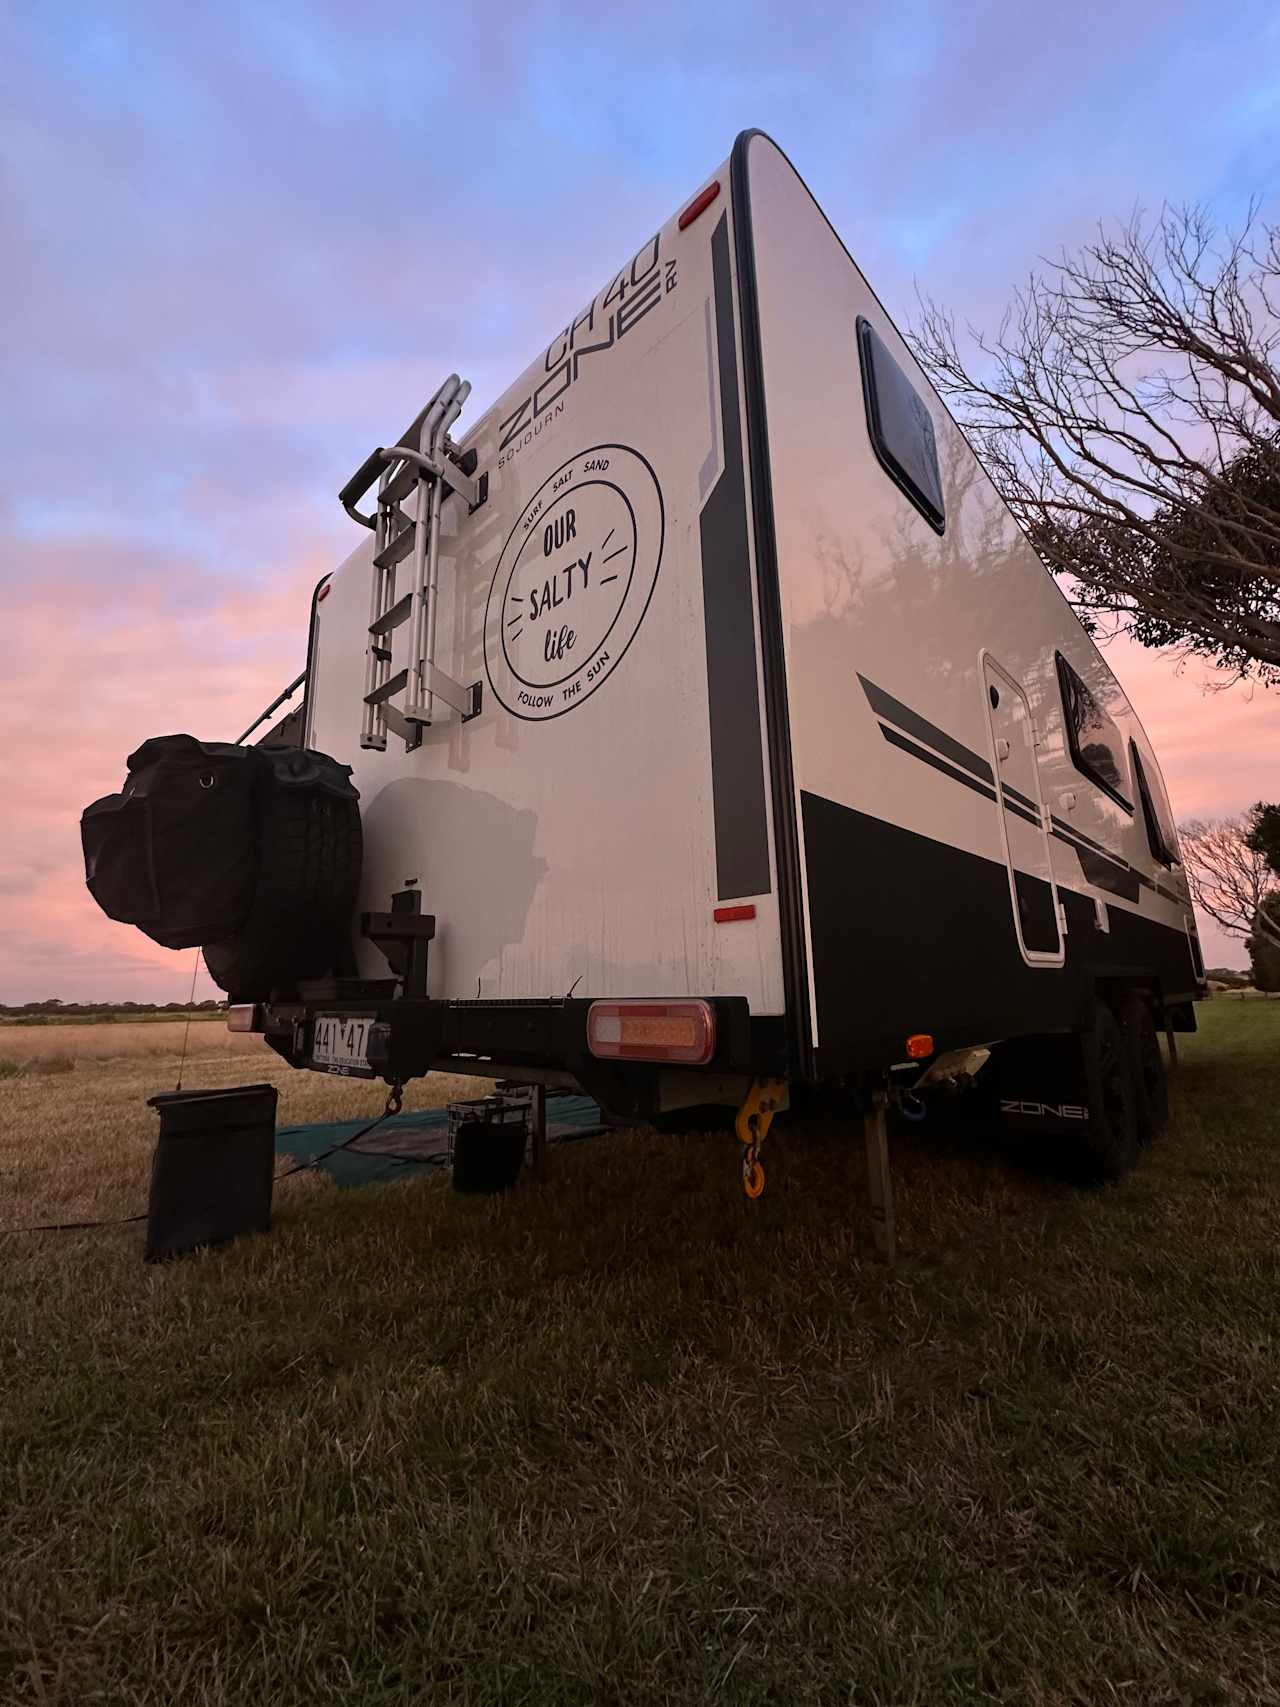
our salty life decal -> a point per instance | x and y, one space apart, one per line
573 582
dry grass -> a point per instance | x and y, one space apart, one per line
79 1147
627 1438
156 1039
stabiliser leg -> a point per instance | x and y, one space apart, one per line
879 1180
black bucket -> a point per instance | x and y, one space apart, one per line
488 1139
214 1164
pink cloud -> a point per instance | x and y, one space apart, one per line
108 649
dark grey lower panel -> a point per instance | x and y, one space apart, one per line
911 935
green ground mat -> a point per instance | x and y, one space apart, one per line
411 1141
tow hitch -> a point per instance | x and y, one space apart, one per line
766 1098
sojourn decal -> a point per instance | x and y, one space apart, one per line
573 582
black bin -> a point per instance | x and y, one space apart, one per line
214 1164
488 1138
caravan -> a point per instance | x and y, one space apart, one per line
715 731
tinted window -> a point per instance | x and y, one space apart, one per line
1096 746
1155 812
901 426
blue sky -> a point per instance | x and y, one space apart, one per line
242 243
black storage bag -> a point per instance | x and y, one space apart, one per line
174 853
213 1169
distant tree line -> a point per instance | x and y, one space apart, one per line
57 1009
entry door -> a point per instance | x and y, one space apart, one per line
1032 892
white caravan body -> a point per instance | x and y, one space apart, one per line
771 706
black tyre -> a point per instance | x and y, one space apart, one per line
1146 1065
307 879
1110 1144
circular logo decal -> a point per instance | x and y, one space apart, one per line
573 582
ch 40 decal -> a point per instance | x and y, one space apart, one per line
606 320
1044 1110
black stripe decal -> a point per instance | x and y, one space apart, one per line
885 705
892 736
1075 835
737 748
1022 799
1020 812
896 740
1102 870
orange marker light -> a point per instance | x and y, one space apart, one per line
919 1045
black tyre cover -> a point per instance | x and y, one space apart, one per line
251 853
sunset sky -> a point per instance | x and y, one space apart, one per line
241 244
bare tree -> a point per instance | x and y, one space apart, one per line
1229 879
1128 409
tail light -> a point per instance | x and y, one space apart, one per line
680 1032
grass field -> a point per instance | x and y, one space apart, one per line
625 1437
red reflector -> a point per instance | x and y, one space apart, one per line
323 593
727 915
700 203
683 1032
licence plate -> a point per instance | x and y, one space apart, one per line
341 1043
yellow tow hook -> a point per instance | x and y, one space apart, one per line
766 1098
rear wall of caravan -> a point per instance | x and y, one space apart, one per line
582 832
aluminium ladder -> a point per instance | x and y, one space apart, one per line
425 461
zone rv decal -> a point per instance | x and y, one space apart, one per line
573 582
605 321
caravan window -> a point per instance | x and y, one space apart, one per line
901 426
1096 747
1155 812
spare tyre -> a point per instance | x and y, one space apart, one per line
252 853
308 878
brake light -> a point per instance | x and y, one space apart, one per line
700 203
681 1032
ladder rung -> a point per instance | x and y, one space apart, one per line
392 618
409 733
397 549
462 700
382 652
388 688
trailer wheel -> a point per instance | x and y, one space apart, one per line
1111 1145
1146 1065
